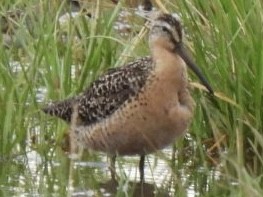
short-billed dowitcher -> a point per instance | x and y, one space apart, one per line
140 107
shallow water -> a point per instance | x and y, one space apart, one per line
52 173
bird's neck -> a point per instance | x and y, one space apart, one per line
166 57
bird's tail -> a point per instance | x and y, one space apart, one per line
61 109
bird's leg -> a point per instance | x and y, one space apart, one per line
112 167
141 168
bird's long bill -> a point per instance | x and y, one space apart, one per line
183 54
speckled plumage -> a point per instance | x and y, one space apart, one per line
140 107
106 94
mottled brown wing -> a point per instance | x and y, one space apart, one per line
106 94
111 90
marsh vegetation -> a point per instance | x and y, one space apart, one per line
44 57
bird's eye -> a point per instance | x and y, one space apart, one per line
165 29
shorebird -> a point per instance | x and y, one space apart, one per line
140 107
